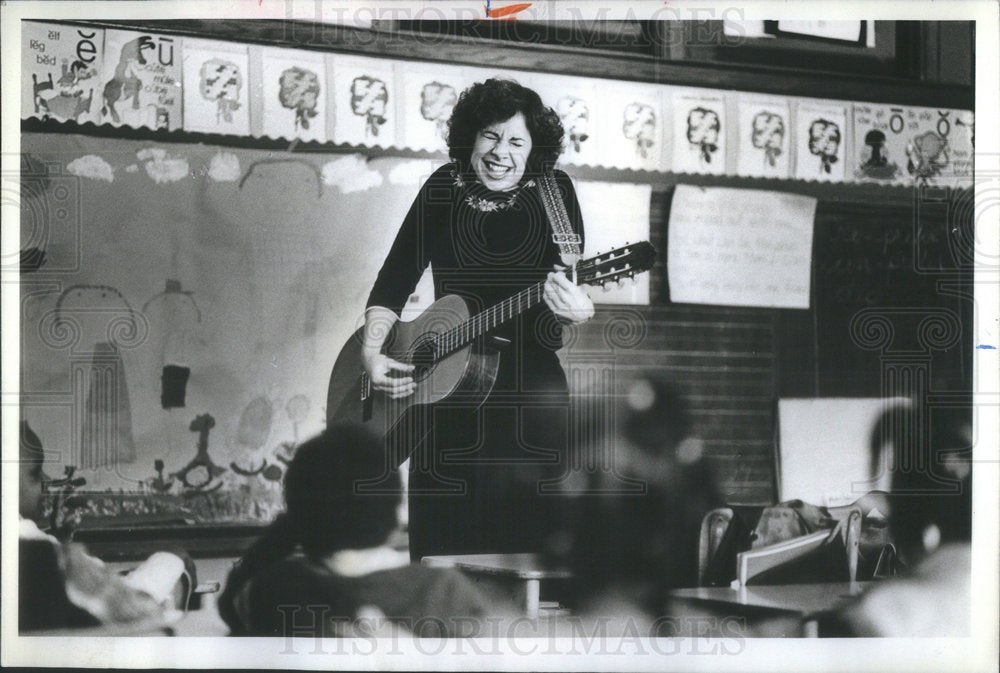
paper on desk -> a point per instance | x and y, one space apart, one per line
740 247
157 575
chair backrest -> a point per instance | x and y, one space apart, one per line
842 542
720 561
42 599
713 527
830 451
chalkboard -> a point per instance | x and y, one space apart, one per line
890 291
903 264
889 282
721 359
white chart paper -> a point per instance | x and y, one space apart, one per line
740 247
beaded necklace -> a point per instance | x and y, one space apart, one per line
486 205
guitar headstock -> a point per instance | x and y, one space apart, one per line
618 264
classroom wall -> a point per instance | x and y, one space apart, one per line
249 267
274 254
270 256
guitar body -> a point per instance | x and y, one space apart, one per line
465 376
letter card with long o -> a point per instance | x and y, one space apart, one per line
879 151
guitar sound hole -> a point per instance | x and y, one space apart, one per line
422 359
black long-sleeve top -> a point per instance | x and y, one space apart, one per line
482 245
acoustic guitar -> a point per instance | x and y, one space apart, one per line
453 356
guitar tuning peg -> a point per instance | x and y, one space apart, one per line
620 283
605 287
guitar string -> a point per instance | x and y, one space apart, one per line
587 272
451 340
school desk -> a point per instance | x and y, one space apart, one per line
523 572
802 601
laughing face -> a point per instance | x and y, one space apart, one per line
500 153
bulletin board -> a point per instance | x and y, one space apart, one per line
182 309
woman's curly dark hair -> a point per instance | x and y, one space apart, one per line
497 100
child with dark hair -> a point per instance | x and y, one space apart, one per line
931 522
61 586
932 494
324 562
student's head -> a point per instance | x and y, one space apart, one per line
31 475
637 526
656 417
932 487
326 506
499 129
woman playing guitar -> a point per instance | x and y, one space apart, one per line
477 479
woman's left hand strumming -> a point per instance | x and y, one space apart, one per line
566 299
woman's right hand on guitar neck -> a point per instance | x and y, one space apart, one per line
387 375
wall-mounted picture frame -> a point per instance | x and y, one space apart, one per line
862 48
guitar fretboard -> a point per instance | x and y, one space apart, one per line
478 325
599 270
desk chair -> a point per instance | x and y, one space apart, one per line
44 608
841 539
825 455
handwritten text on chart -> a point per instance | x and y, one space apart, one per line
740 247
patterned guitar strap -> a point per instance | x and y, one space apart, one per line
562 231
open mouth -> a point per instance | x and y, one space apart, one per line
495 170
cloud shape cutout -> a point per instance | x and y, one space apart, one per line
161 167
351 174
413 172
92 166
224 167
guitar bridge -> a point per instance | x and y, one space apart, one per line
366 397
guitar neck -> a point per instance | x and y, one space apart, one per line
609 267
481 323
